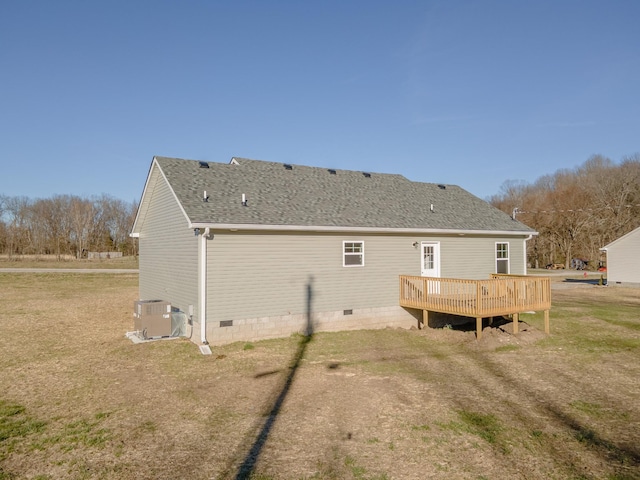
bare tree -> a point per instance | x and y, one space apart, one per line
65 224
82 216
16 212
52 219
578 211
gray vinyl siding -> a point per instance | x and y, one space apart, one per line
168 250
263 275
623 259
475 257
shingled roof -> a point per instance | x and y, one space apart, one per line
289 196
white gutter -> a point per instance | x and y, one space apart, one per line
525 252
202 286
306 228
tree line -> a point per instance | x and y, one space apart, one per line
66 225
576 211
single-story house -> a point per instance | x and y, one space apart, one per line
252 249
623 259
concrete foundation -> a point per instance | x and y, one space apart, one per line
261 328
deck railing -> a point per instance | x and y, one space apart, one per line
499 295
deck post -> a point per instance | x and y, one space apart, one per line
546 322
516 318
478 328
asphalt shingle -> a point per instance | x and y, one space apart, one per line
312 196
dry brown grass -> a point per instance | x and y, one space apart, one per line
66 262
79 401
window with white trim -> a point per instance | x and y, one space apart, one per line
502 257
352 254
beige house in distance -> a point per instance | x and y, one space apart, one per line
250 249
623 259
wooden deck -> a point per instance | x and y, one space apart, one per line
500 295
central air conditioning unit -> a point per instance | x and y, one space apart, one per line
152 318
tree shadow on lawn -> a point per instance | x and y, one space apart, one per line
586 281
252 455
618 456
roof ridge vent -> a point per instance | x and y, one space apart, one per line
442 187
288 166
332 171
366 174
204 165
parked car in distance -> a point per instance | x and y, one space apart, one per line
579 264
555 266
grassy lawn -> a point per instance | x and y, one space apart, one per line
80 401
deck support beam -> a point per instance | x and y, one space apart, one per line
478 328
516 319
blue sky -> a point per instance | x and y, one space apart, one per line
472 93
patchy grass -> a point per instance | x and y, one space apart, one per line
486 426
506 348
80 401
15 423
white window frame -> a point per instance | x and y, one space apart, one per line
346 254
503 259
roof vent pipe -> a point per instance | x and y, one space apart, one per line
205 197
431 208
244 200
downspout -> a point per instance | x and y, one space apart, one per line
525 252
202 284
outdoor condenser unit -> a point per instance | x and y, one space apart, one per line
152 318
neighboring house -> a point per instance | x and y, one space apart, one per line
253 249
623 259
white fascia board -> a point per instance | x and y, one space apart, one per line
310 228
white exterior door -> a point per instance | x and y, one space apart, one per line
430 262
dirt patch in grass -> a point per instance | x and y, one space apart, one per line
80 401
